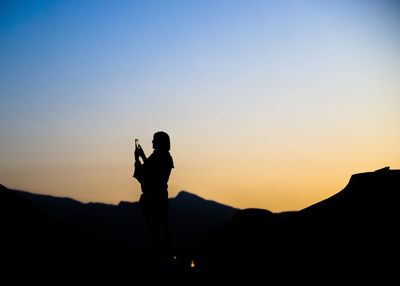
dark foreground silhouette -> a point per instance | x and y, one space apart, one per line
351 235
63 237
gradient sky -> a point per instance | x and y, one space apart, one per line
269 104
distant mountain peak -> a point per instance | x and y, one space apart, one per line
185 195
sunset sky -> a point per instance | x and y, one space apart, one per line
269 104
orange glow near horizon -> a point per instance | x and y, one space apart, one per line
273 182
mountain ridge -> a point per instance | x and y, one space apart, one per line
192 218
183 194
353 229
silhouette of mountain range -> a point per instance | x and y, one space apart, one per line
96 234
350 234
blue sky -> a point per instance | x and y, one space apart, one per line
275 86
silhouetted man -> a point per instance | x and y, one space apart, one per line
153 175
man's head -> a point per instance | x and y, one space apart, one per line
161 141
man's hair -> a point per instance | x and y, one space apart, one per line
161 141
